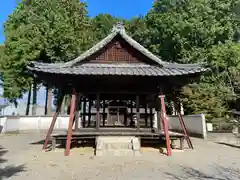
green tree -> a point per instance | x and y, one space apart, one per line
102 25
180 30
42 30
135 27
187 31
1 60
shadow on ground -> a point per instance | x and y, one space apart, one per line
62 143
231 145
10 170
38 142
218 173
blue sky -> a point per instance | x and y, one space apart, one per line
119 8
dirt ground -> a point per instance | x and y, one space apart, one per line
21 159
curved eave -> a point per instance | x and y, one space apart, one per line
117 70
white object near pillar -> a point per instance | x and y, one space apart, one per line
181 109
209 127
155 120
174 112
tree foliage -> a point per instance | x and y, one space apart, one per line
187 31
101 25
41 30
183 31
179 30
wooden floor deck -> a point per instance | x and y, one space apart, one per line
92 133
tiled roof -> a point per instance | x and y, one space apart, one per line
117 30
116 69
75 67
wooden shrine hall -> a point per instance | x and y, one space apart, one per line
122 82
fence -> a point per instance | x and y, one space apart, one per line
195 124
31 123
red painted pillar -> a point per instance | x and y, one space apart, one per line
53 121
70 125
165 124
190 145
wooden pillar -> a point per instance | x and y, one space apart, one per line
158 110
84 111
89 113
76 117
165 124
98 112
146 113
125 116
138 112
159 121
178 109
70 124
58 109
104 111
131 123
151 116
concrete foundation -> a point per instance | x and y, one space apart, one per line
117 146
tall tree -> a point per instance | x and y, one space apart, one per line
1 57
187 31
179 30
102 25
135 27
42 30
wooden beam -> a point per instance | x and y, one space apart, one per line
158 109
131 111
84 111
90 92
165 124
70 124
159 127
146 112
104 111
98 112
151 116
53 121
190 145
138 112
89 112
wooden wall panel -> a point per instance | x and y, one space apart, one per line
118 51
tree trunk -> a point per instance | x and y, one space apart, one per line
34 98
49 102
29 100
46 101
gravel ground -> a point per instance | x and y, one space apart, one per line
21 160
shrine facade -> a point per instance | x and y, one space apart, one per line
119 82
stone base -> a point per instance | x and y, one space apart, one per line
117 146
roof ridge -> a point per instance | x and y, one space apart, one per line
117 29
92 50
141 48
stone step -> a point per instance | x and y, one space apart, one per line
122 145
115 152
117 146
